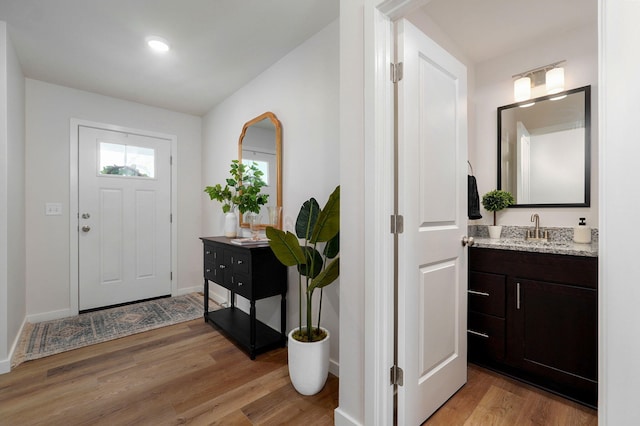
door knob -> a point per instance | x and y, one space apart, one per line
86 228
467 241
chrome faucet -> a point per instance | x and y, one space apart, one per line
536 231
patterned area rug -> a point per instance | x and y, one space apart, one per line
51 337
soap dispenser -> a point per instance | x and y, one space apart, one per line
582 233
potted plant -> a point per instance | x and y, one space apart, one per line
241 191
314 251
494 201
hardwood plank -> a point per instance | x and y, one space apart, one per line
191 374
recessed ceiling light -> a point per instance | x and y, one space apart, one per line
158 44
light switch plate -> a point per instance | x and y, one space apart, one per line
53 209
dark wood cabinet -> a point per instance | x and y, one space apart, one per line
534 316
254 273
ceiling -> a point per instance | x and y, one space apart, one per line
485 29
218 46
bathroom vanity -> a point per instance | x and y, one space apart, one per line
533 316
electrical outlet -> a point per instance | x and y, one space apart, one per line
53 209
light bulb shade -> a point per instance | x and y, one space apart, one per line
522 89
555 80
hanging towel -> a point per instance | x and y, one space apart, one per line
473 206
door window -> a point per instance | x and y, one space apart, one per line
126 160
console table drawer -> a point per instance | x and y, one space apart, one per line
242 285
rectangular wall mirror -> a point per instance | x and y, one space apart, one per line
544 150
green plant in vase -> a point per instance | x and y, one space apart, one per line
494 201
242 189
314 250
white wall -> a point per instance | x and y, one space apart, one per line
302 91
494 88
619 355
49 109
12 200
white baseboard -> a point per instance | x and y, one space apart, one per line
51 315
220 300
5 364
340 418
188 290
334 368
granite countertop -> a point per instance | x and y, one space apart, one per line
554 247
513 238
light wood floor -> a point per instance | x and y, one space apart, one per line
190 374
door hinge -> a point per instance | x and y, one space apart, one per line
396 375
171 276
171 160
170 217
397 224
396 72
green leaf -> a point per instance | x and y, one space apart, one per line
328 223
285 247
314 260
326 277
307 218
332 248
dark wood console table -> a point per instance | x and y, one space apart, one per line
253 272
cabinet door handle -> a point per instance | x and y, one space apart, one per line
222 266
517 295
477 293
239 262
476 333
239 283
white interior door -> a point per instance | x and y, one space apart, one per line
124 232
432 197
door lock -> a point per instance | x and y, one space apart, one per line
86 215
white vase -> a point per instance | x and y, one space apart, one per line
308 364
494 231
230 224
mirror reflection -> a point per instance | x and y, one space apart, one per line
261 142
544 150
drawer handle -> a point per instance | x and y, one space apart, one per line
222 266
476 333
239 283
208 270
207 252
239 262
477 293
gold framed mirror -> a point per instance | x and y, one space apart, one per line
261 142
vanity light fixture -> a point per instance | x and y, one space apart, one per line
552 76
157 44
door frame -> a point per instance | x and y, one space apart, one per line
379 168
74 140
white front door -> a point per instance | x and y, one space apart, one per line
432 198
124 232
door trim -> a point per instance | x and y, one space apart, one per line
379 168
74 276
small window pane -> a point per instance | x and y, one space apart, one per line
126 160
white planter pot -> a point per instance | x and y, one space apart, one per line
308 364
230 224
495 231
